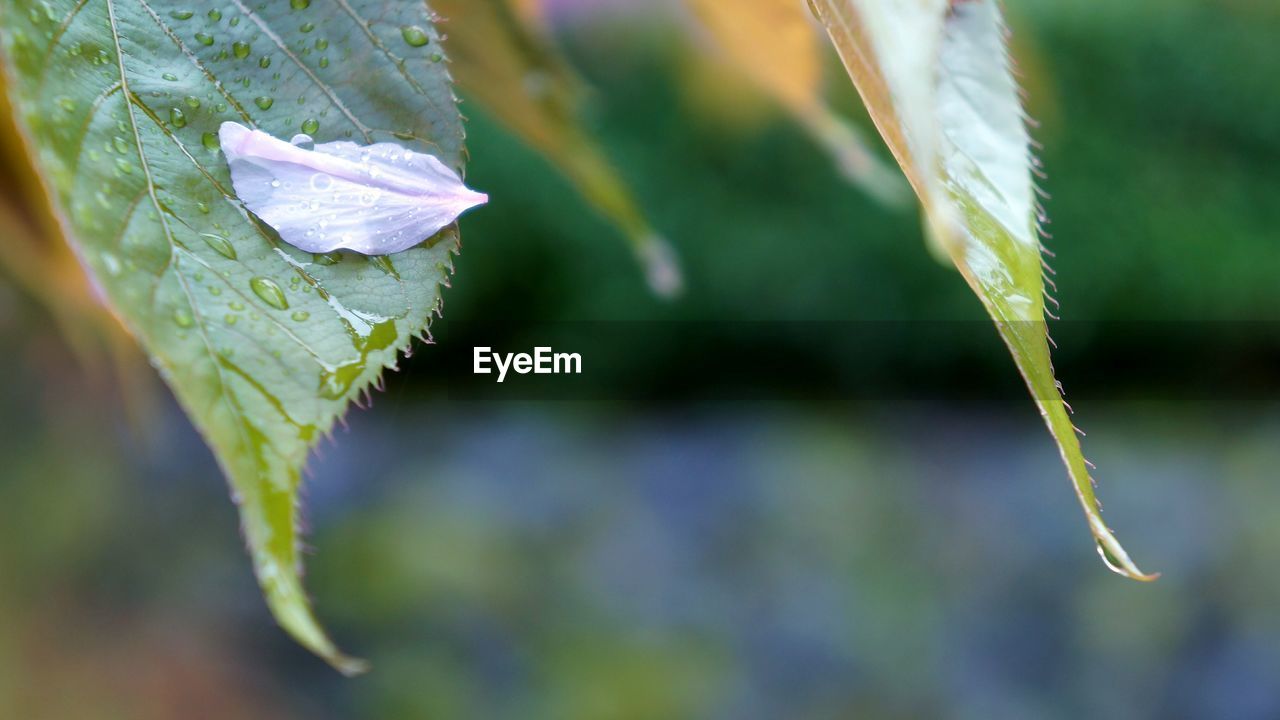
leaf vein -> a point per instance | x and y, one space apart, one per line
224 390
195 60
57 38
333 97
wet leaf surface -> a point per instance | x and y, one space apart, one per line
265 346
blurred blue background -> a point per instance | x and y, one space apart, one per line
866 519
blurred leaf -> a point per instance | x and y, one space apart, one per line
532 12
36 259
264 346
791 71
505 63
935 76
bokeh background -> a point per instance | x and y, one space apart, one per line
812 487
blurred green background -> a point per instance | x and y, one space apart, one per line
861 516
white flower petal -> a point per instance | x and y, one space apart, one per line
376 199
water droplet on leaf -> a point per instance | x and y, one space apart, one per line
182 318
220 245
269 292
414 35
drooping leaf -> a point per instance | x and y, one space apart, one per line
265 346
935 76
791 71
505 63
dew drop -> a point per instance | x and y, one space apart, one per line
192 102
322 44
170 77
209 140
182 318
307 27
264 62
230 319
326 259
220 245
177 117
240 49
269 292
414 35
263 102
124 166
383 263
299 4
215 15
301 316
203 208
324 61
204 39
67 104
181 14
310 126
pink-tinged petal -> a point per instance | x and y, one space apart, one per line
376 200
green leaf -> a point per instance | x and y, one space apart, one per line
505 63
935 76
264 346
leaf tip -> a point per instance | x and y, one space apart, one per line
661 266
1117 560
292 610
298 621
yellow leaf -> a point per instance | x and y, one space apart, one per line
774 43
503 62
